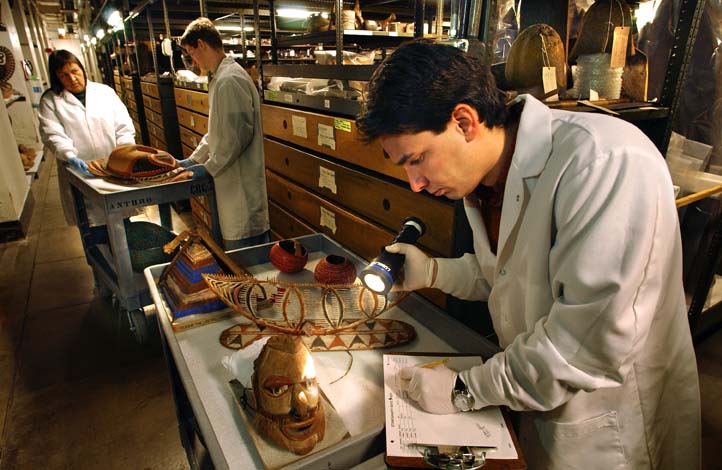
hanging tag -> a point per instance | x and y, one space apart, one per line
619 46
193 122
549 79
327 179
593 95
328 219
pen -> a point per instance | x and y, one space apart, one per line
431 365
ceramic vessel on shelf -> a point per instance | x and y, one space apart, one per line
334 269
289 256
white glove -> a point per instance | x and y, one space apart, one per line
430 387
418 268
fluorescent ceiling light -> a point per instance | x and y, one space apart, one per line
299 13
61 31
114 19
93 41
100 34
86 38
230 27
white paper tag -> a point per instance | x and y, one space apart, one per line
287 98
549 79
619 47
195 141
593 95
328 219
327 104
189 100
326 137
299 126
327 179
193 121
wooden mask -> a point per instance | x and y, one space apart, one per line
289 411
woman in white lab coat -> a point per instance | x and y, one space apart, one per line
80 121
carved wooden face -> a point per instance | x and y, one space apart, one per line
289 410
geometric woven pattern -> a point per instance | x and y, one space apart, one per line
374 334
301 308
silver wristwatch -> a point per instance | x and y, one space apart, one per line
461 398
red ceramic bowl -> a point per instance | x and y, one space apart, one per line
334 269
289 256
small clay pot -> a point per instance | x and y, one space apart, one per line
334 269
289 256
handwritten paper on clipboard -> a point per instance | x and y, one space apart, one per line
408 427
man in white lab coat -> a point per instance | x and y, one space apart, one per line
232 150
577 253
80 121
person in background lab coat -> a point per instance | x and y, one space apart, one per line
232 150
577 251
80 121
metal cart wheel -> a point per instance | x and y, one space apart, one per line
138 325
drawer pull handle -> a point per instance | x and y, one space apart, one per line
285 124
386 204
286 160
289 195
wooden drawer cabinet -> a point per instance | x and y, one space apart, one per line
156 132
328 135
155 142
194 121
134 115
359 235
152 104
154 117
151 89
190 138
286 225
193 100
187 151
384 202
130 102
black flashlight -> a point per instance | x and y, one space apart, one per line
380 274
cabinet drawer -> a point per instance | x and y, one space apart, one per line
149 89
193 121
285 224
154 117
360 236
190 138
385 202
128 83
326 134
187 151
156 131
130 102
194 100
133 115
155 142
152 103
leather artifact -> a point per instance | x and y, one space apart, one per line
287 405
537 46
139 164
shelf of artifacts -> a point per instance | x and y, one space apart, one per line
134 103
160 113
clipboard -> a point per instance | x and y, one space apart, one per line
492 464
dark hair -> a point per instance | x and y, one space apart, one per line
57 60
418 86
201 28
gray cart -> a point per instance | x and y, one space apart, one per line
112 267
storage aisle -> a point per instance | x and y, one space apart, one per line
76 391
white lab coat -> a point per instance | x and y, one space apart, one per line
232 152
586 297
89 132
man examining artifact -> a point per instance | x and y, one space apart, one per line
577 253
232 150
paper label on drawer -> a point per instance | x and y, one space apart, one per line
328 219
326 136
299 126
342 125
327 179
272 95
193 121
287 98
327 104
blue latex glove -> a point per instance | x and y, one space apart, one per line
80 166
186 163
199 171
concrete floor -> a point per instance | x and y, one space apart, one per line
76 390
